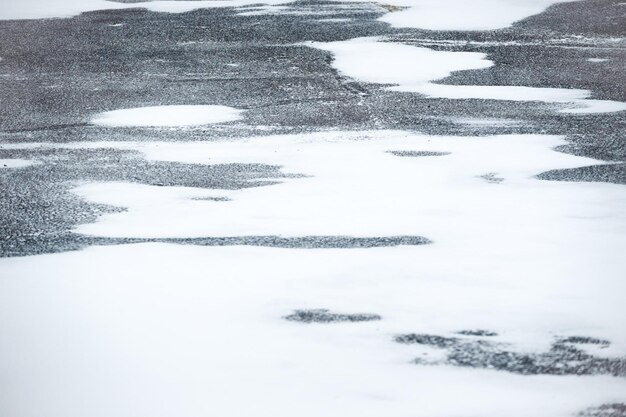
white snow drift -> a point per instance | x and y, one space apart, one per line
168 116
412 69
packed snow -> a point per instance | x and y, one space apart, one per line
168 116
412 69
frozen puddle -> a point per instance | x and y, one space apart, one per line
404 68
168 116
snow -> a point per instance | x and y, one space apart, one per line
167 330
422 14
38 9
162 330
511 242
304 10
463 15
373 61
334 20
493 92
596 60
412 69
577 97
596 106
341 194
489 122
15 163
162 116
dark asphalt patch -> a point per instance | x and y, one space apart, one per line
58 165
483 333
615 173
606 410
585 340
415 154
308 242
38 210
492 178
64 240
564 357
51 77
325 316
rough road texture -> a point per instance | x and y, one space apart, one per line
565 356
52 82
56 74
325 316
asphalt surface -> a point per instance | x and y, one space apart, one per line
55 74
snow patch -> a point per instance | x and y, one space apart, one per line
424 14
39 9
493 92
462 15
168 116
354 185
15 163
596 106
369 60
303 10
489 122
201 328
412 69
335 20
